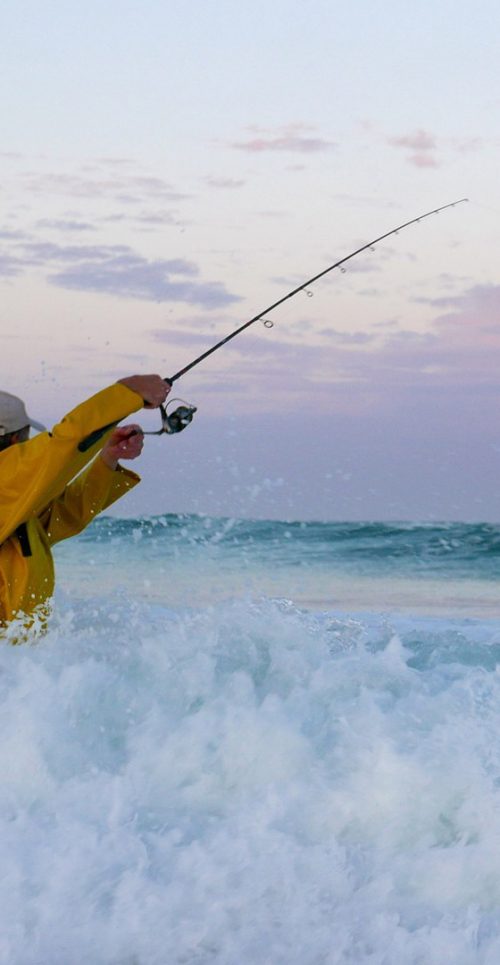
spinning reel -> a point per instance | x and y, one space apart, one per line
176 421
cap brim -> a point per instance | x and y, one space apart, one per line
36 425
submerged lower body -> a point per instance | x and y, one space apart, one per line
26 627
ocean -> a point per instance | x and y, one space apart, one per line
256 743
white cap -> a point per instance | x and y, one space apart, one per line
13 415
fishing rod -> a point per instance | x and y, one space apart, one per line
305 285
176 421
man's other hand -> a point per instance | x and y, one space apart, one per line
126 442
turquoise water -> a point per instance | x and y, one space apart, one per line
200 768
189 560
469 549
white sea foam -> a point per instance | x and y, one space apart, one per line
249 783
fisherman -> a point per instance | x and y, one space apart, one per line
52 486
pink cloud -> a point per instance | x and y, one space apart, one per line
288 142
290 138
418 141
423 161
422 146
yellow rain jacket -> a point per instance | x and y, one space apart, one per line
41 501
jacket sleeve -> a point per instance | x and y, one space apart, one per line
33 474
96 488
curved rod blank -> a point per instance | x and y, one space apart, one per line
304 285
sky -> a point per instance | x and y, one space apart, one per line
168 170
